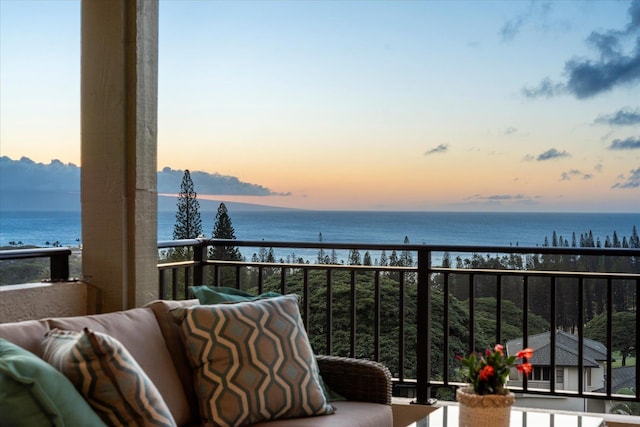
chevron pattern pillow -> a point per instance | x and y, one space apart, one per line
253 361
104 372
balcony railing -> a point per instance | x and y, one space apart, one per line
418 358
406 313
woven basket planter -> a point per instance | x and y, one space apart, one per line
489 410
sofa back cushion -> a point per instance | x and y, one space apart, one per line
138 331
27 334
171 331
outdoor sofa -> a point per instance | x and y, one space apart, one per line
152 336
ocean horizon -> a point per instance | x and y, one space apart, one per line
526 229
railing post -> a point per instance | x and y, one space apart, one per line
199 257
59 266
423 340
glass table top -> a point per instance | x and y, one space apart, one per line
447 416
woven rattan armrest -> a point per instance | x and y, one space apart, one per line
356 379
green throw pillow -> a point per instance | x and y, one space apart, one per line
252 361
222 295
34 393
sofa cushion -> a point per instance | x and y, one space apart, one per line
171 331
347 414
27 334
108 376
34 393
138 330
253 361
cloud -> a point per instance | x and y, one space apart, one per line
528 158
623 117
510 130
632 181
211 184
612 68
513 26
630 143
552 154
442 148
575 173
566 176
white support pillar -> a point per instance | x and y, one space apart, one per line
119 92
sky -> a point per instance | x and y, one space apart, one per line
364 105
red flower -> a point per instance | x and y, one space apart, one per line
499 348
527 353
486 373
525 368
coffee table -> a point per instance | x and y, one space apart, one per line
447 416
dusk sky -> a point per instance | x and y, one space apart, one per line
364 105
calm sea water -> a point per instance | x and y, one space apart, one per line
468 228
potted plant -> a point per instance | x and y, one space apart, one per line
486 401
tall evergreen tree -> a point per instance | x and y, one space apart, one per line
321 255
223 229
634 240
188 222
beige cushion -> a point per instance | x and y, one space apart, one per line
347 414
140 334
27 334
108 377
171 331
253 361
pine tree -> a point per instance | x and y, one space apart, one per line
383 258
367 258
405 256
354 257
223 229
321 255
188 222
634 240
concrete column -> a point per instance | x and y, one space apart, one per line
119 91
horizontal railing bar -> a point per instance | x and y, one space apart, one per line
11 254
408 247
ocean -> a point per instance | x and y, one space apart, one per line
457 228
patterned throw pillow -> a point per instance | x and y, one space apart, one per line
108 376
253 361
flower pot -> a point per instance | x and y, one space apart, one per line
489 410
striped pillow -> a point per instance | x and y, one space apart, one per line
108 377
253 361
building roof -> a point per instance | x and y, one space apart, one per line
566 350
622 377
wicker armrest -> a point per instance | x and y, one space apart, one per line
356 379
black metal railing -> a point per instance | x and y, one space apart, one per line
58 260
403 312
413 359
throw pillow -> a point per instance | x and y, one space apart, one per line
223 294
34 393
226 295
108 376
253 361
